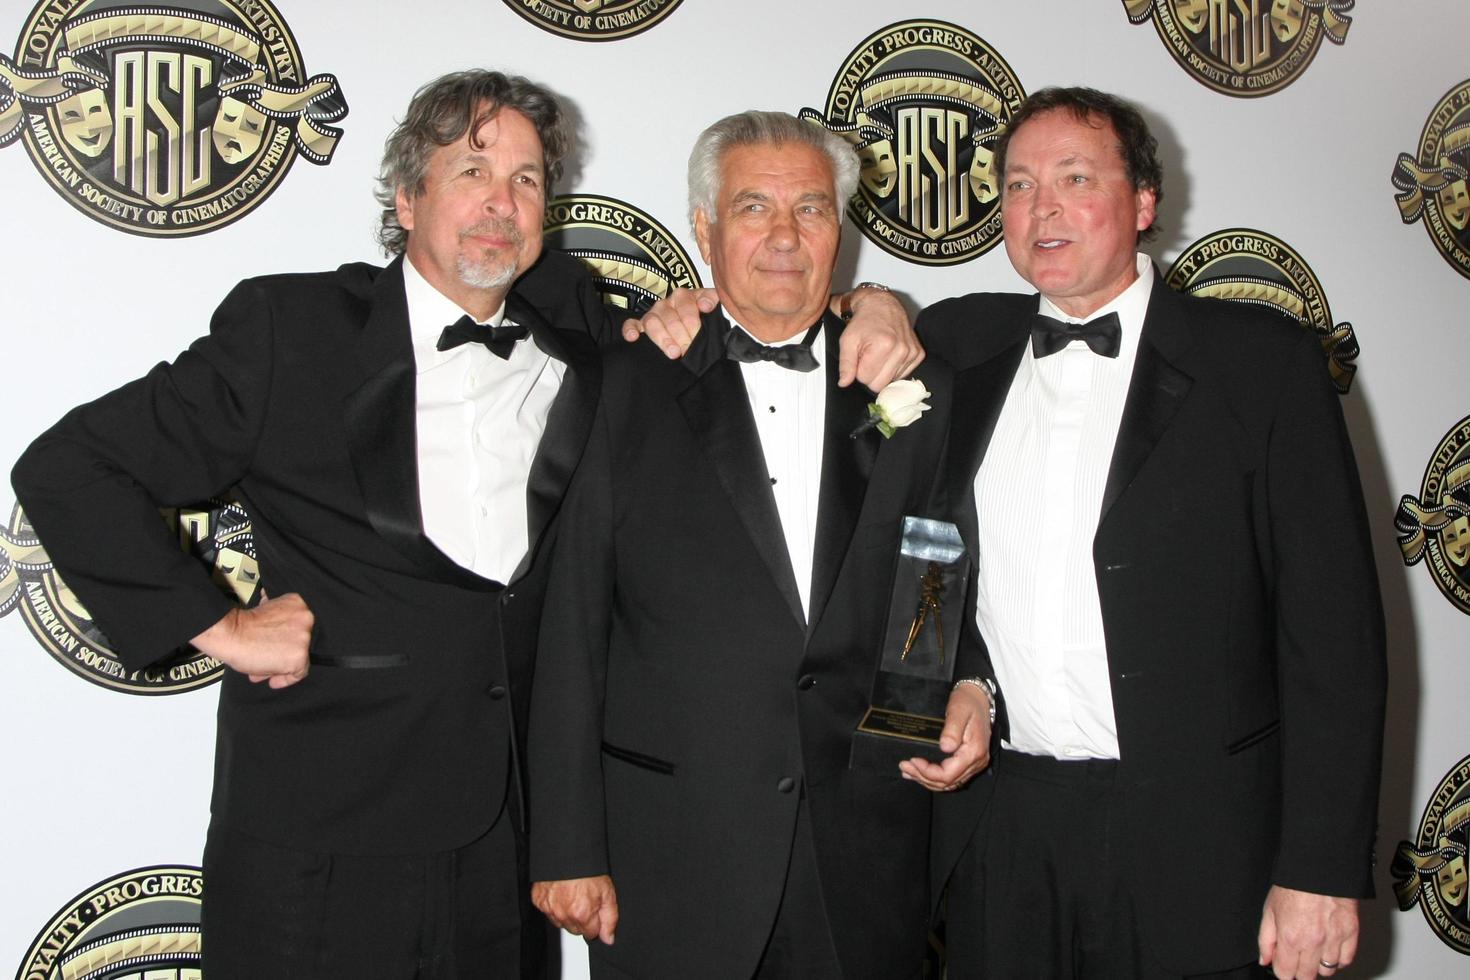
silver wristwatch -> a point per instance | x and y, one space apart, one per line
985 684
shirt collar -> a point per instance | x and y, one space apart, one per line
818 347
1131 305
430 311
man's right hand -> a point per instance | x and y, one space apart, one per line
582 906
269 642
966 739
673 321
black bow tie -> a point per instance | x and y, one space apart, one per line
741 346
498 340
1103 334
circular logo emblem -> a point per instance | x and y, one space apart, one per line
143 923
1431 869
594 20
1437 522
168 119
633 258
1432 185
218 534
924 102
1253 267
1245 48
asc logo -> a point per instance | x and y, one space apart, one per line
1431 869
218 534
143 923
924 102
1437 522
169 119
1245 48
594 20
634 260
1432 185
1253 267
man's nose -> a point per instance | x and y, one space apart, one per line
783 235
500 198
1045 202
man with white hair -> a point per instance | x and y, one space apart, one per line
715 613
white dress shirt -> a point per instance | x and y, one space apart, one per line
479 422
1038 498
790 408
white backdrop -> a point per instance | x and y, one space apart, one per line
97 782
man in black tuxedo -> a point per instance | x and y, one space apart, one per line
364 815
1175 591
714 618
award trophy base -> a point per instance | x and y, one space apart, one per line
885 737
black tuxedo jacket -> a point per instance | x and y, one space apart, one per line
683 702
301 402
1240 608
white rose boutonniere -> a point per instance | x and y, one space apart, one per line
898 405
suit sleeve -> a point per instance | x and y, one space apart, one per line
1330 639
92 485
567 826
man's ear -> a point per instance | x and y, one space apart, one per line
701 234
1147 206
404 205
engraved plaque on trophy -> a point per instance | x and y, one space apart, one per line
925 616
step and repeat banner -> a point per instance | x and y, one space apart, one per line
153 154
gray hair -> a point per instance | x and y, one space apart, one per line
753 127
441 113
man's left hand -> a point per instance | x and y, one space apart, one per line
879 344
1305 935
966 739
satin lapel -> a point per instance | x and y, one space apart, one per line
567 424
380 418
847 465
1155 392
717 410
979 394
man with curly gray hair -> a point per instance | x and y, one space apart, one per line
400 437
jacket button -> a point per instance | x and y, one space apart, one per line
807 682
786 785
497 692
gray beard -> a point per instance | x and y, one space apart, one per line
484 276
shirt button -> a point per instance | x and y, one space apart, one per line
484 510
807 682
771 409
497 692
786 785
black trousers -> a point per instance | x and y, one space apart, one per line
270 911
800 946
1043 889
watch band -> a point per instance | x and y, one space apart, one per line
985 684
844 305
